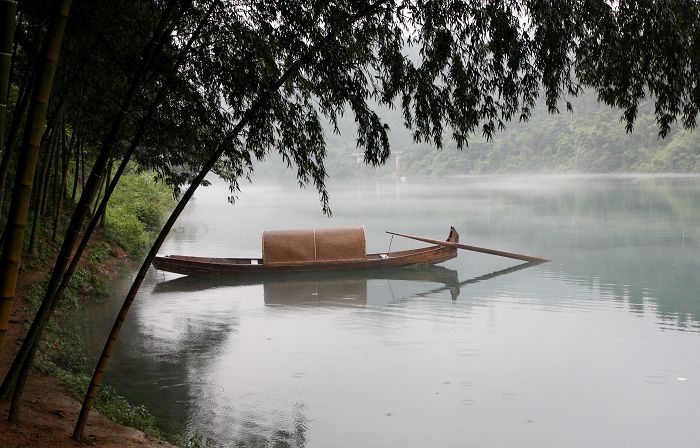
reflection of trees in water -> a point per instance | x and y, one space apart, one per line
197 345
178 362
157 371
634 239
250 433
610 236
606 211
645 280
246 428
292 435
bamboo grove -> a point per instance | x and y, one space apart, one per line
182 88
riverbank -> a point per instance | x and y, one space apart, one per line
48 418
62 367
51 403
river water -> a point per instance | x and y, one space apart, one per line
600 347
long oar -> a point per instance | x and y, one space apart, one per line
484 250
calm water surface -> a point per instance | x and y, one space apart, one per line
600 347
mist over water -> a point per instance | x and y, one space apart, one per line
597 348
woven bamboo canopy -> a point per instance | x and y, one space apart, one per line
309 245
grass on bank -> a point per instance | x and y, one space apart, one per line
134 213
63 353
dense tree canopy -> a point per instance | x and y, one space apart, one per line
589 139
476 65
480 64
192 86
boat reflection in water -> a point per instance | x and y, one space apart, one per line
336 287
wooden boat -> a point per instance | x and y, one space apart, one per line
308 251
285 283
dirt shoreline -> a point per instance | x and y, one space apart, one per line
49 410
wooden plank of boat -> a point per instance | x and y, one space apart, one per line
189 265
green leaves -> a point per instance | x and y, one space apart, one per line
137 209
454 69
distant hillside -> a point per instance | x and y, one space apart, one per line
591 140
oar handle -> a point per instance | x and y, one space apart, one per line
484 250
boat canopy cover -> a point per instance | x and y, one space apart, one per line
311 245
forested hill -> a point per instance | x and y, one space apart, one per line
591 140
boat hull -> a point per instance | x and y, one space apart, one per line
205 266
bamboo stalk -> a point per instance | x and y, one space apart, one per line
83 155
38 192
99 195
76 167
17 375
53 173
14 51
484 250
8 13
40 197
58 167
27 345
96 379
102 208
21 108
26 167
103 213
62 189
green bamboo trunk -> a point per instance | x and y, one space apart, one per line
8 17
20 111
8 12
40 198
16 376
91 393
76 167
26 167
62 189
